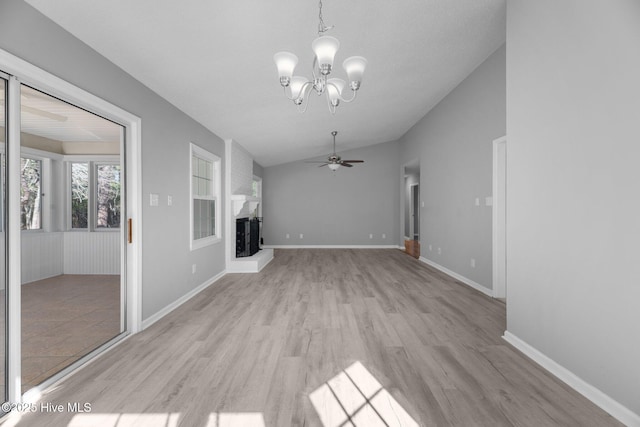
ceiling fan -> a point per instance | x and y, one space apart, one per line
334 161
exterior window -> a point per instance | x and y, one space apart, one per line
95 196
205 196
108 196
30 194
256 187
80 195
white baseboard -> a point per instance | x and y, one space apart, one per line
332 246
469 282
177 303
604 401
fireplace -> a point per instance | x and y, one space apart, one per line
247 236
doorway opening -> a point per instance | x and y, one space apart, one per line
410 208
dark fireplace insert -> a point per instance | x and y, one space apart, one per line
247 236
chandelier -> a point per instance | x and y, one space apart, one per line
325 48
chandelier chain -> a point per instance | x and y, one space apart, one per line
321 25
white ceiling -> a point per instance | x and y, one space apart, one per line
213 60
51 118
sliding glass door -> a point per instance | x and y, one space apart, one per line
63 223
71 191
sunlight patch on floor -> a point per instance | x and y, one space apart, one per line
355 398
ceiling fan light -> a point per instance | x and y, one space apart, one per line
285 62
325 48
355 66
334 166
334 90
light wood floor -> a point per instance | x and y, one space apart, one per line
388 336
64 318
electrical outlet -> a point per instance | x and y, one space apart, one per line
301 235
193 269
288 235
384 236
371 236
153 199
477 201
439 251
473 262
422 204
169 201
430 247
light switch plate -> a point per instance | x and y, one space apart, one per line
153 199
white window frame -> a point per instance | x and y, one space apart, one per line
197 151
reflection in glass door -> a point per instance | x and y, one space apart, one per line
71 193
3 241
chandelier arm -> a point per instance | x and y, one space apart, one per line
355 92
304 107
302 91
313 68
340 95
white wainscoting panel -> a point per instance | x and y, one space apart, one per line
42 255
92 253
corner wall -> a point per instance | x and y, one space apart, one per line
573 222
453 143
334 208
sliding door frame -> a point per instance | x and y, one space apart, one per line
22 72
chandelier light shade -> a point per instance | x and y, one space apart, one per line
325 49
355 66
334 90
286 63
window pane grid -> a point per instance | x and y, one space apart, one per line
204 218
202 179
203 193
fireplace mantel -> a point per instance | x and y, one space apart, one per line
239 203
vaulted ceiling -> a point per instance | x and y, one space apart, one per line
214 61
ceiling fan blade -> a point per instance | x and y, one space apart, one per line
323 165
346 164
318 161
353 161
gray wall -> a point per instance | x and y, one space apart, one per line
334 208
573 223
454 144
257 169
166 133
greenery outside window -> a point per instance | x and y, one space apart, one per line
96 191
30 194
